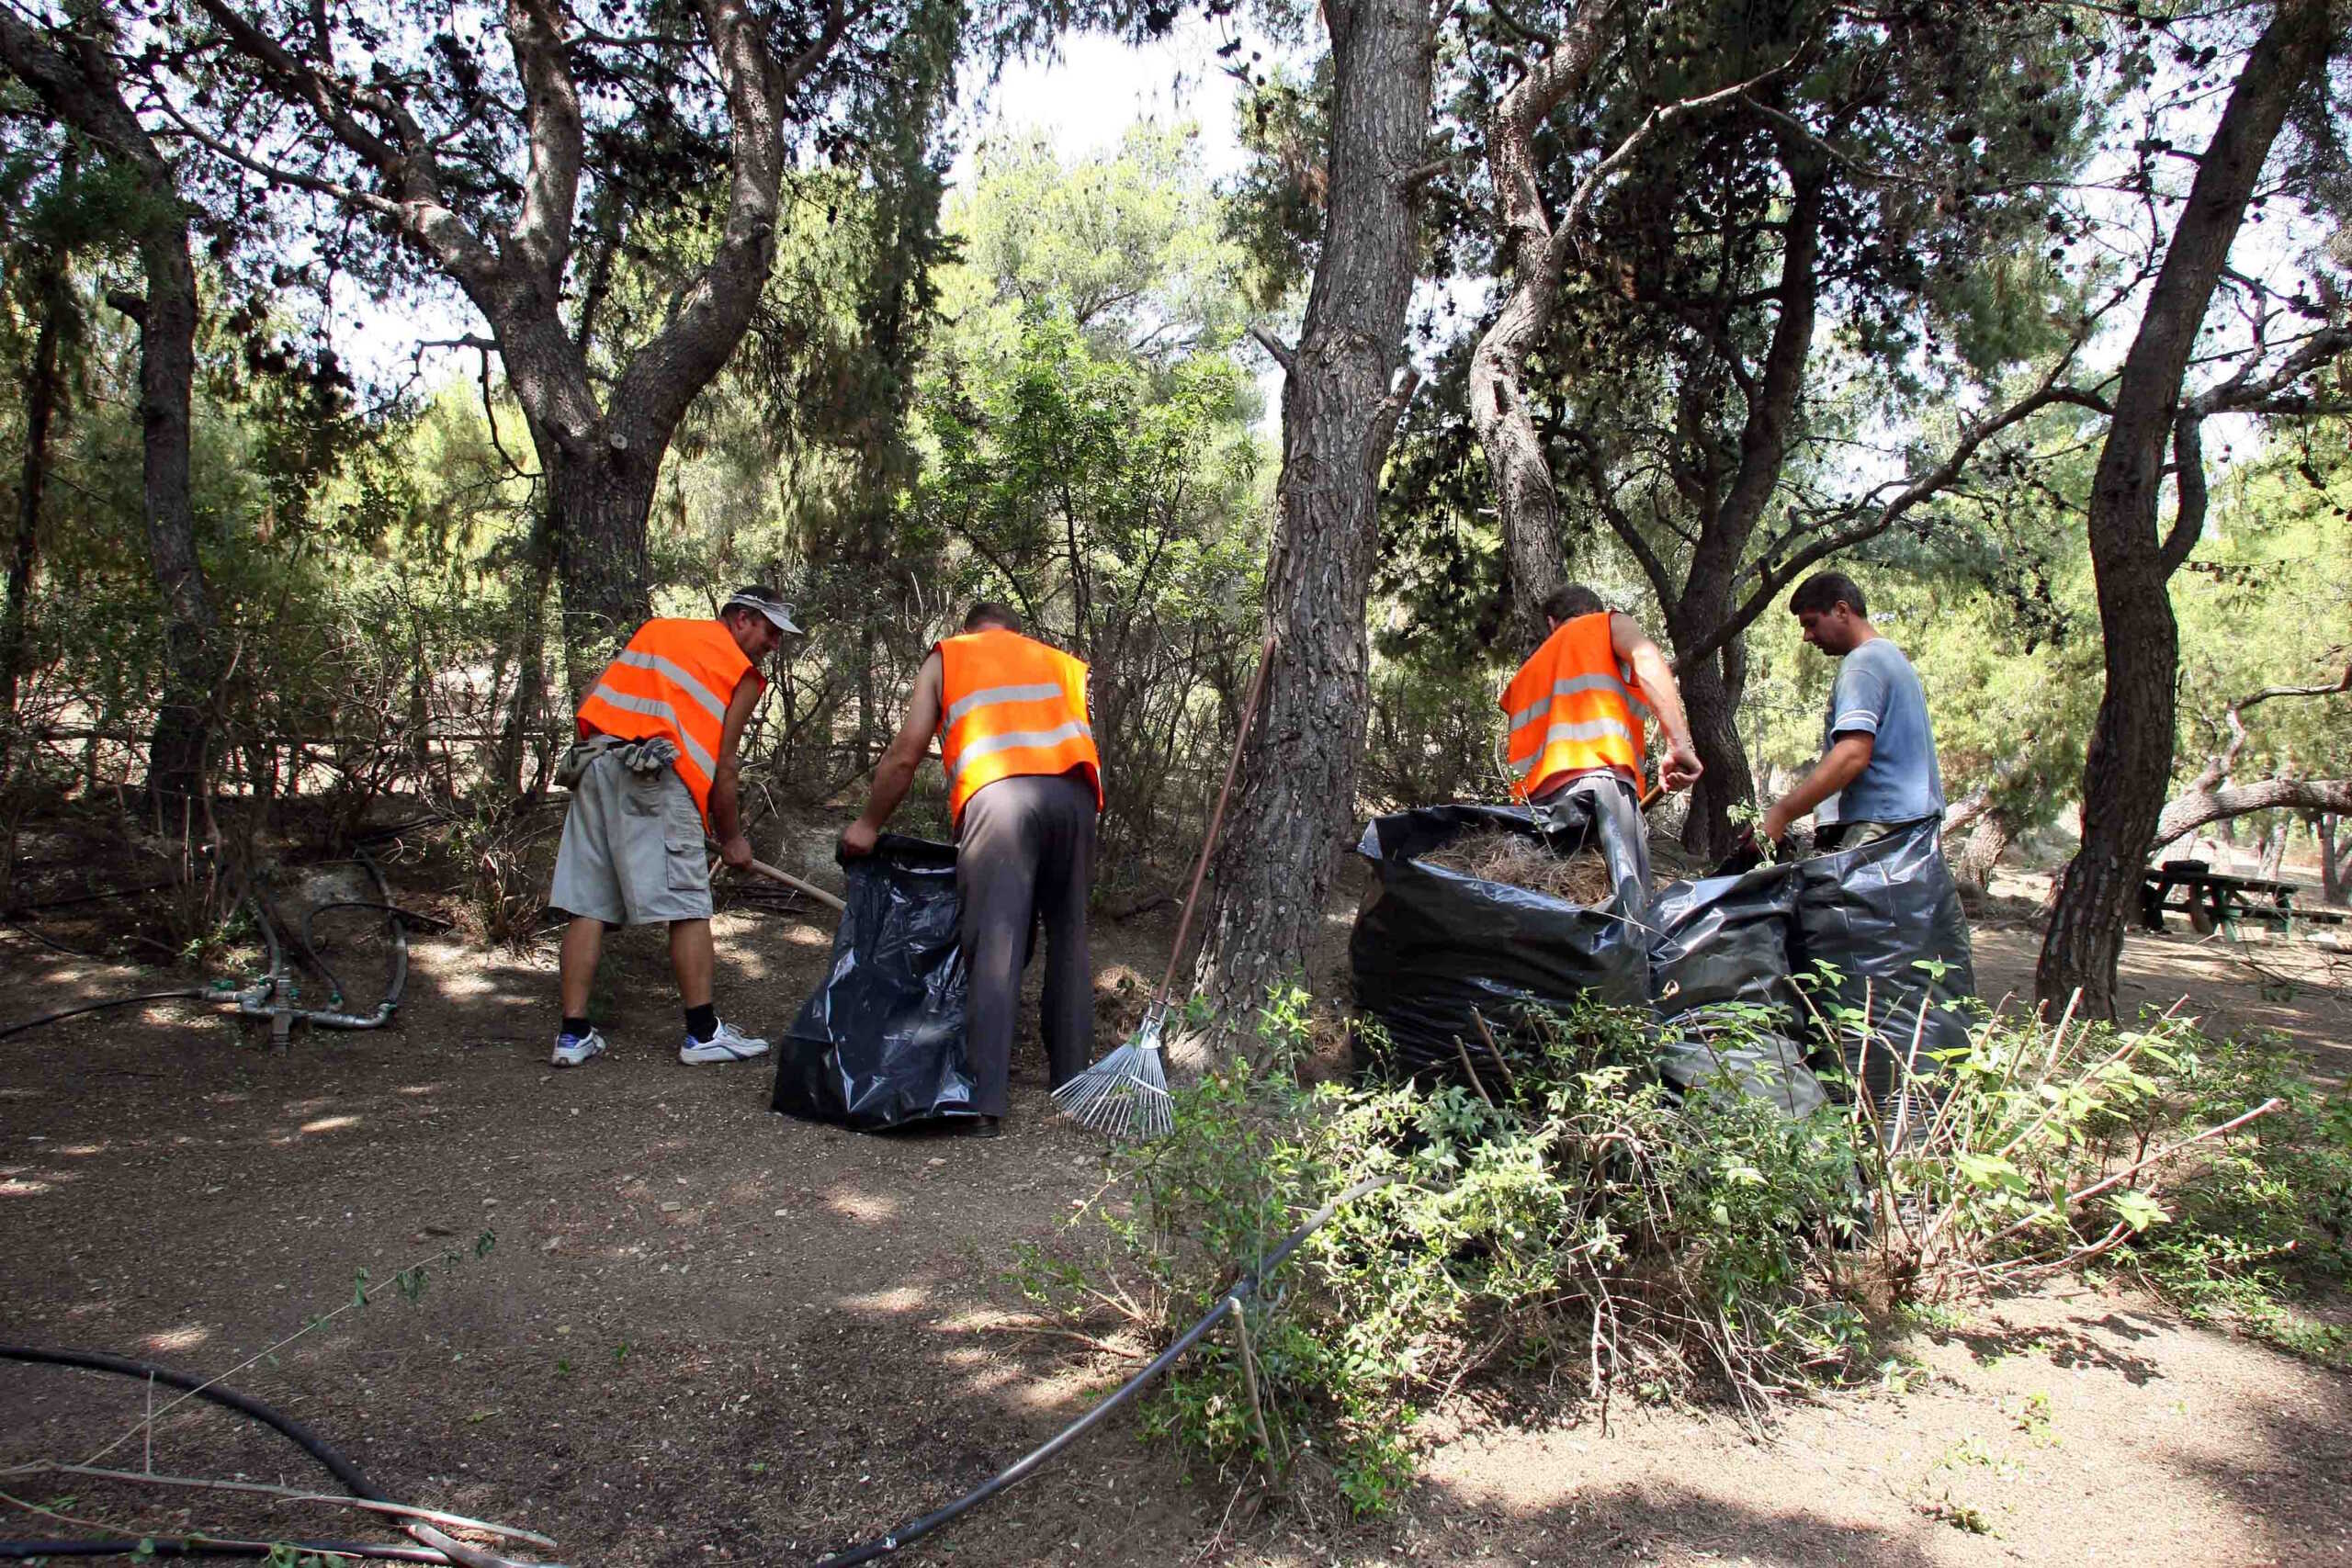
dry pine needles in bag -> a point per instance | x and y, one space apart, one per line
1494 855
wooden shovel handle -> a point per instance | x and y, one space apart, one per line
818 894
1216 817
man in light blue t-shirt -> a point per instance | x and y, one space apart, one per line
1878 763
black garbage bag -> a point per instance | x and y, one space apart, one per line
880 1044
1726 997
1431 945
1885 917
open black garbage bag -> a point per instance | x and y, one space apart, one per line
880 1044
1887 915
1726 998
1430 944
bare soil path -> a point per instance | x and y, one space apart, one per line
706 1333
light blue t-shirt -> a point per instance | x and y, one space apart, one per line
1878 693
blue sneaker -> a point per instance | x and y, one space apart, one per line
571 1050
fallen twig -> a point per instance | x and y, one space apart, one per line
286 1494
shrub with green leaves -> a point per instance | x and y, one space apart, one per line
1579 1217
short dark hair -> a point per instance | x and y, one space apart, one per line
1824 591
988 613
1566 602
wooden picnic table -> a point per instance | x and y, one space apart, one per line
2211 898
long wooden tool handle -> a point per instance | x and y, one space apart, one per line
1216 817
818 894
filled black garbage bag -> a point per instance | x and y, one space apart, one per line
1727 1003
1886 917
1430 944
880 1044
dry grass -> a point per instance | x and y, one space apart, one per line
1493 854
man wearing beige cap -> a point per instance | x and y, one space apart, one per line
652 771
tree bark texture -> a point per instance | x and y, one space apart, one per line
176 756
1535 251
74 76
43 389
2187 813
2333 872
2129 758
1296 804
1988 837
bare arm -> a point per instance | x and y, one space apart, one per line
1630 643
1848 755
896 772
726 793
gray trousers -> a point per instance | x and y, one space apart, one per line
1026 852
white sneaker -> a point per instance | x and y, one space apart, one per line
727 1043
571 1050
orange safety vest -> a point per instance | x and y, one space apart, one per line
1009 705
674 679
1573 708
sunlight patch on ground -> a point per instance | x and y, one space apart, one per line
414 1089
329 1124
175 1339
22 1187
480 982
84 1149
900 1299
865 1207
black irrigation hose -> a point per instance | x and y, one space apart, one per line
347 1475
1022 1469
24 927
309 942
110 1002
311 952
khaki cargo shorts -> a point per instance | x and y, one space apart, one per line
632 850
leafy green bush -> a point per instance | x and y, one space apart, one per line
1581 1218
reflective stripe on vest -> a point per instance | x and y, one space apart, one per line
1011 706
1572 708
674 680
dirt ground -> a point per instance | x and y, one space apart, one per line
706 1333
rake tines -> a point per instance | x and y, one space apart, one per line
1125 1094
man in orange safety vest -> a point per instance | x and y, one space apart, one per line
652 771
1024 786
1575 713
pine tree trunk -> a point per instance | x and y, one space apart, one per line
2129 763
526 704
1713 704
2331 872
42 391
1295 804
1987 840
166 317
601 506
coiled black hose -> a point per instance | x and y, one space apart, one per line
347 1475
